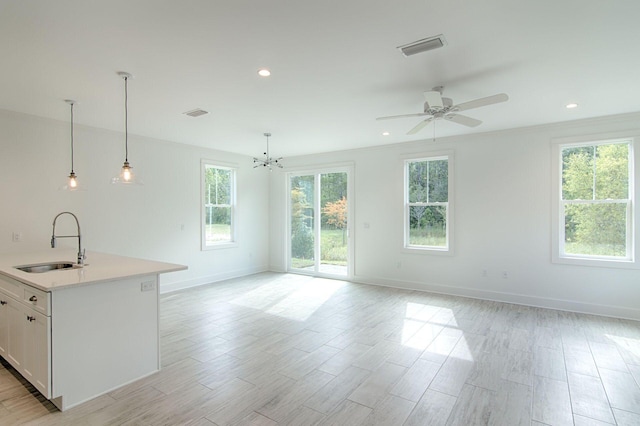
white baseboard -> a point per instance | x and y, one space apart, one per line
181 285
518 299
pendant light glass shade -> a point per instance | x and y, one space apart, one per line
72 183
126 176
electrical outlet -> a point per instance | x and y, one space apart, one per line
485 273
505 274
148 286
17 237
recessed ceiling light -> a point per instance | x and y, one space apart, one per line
263 72
571 105
385 133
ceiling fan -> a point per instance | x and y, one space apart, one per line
436 107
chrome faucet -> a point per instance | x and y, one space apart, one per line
81 255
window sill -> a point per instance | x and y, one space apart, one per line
428 251
599 263
219 246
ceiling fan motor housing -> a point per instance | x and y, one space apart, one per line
447 105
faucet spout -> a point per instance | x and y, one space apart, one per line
81 255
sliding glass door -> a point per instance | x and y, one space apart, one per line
319 240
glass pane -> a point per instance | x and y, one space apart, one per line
418 181
218 224
596 229
438 181
218 186
302 219
577 173
612 172
333 223
428 226
428 181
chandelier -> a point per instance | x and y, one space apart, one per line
267 161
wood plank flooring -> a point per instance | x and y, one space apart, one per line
282 349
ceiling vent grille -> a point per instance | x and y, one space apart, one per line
423 45
196 112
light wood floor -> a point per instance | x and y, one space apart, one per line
280 349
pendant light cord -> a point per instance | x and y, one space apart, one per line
72 138
126 122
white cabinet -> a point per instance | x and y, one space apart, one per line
25 333
105 334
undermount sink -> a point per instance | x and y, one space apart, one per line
46 267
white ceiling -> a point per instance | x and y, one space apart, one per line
334 63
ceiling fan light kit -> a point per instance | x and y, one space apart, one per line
423 45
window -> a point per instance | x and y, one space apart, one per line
596 201
427 208
218 195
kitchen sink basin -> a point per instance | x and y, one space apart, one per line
46 267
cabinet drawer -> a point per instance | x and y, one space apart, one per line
12 287
39 300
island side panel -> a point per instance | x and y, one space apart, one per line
104 335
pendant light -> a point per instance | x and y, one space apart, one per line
72 183
126 176
267 161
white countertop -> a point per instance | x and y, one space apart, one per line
99 267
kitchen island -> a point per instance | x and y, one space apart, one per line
78 333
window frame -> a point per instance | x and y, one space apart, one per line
204 165
558 204
449 204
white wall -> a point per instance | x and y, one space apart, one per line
145 221
502 222
502 217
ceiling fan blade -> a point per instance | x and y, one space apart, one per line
489 100
421 125
463 119
421 114
434 99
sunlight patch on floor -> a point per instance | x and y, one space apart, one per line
302 303
424 323
629 348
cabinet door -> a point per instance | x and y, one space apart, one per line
15 333
4 324
37 350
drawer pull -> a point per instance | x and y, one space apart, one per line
30 318
3 302
33 299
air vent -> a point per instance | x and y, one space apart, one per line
423 45
196 112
